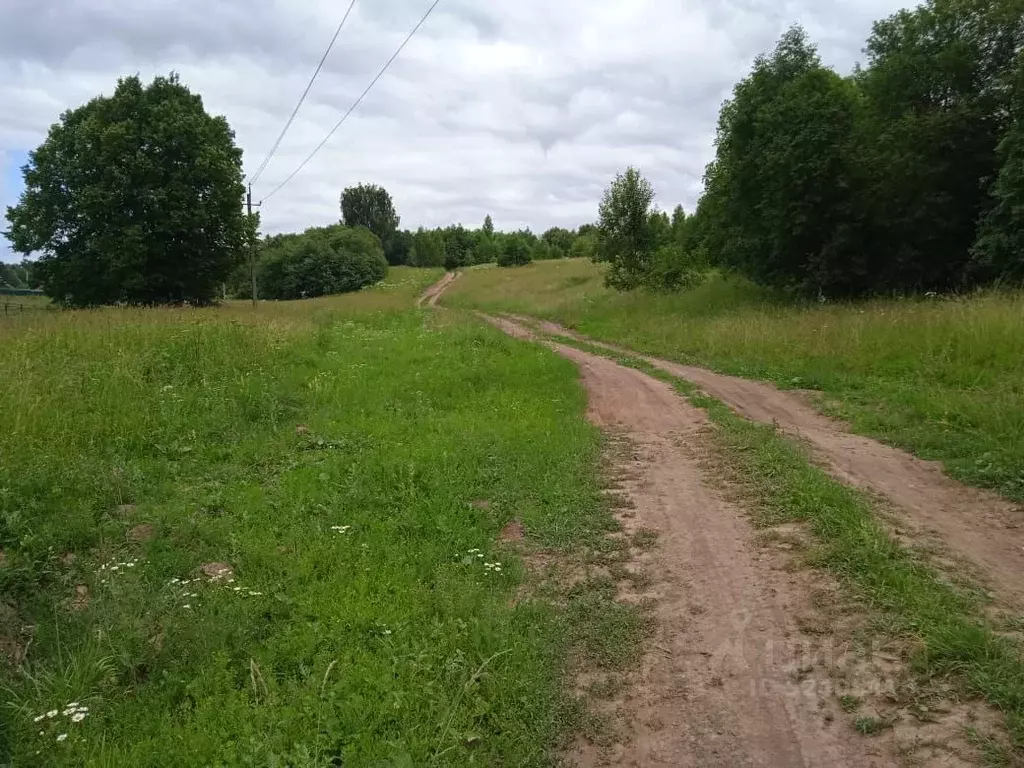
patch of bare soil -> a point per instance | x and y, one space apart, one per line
729 678
512 532
971 523
13 637
434 293
217 571
141 533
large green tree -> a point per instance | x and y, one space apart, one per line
938 93
134 197
625 238
370 206
779 197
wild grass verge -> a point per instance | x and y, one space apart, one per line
942 377
242 537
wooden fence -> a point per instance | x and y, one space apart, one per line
8 308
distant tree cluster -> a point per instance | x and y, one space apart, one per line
456 246
18 276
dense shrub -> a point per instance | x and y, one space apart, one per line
321 261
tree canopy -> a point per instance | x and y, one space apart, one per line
134 197
624 236
370 206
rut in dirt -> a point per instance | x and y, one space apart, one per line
433 294
968 523
728 679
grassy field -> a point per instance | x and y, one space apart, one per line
352 461
941 377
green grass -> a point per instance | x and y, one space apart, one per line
901 590
392 640
943 377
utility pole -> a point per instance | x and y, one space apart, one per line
252 242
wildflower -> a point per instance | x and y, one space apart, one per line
186 605
52 713
37 719
61 736
78 717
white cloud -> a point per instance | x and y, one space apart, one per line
523 110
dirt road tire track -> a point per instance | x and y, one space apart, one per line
433 294
727 680
969 523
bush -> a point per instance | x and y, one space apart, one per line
516 252
321 261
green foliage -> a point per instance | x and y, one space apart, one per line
370 206
488 226
14 275
398 247
584 246
135 198
543 250
560 239
427 249
458 247
516 252
937 92
487 249
779 189
999 252
904 177
625 238
320 261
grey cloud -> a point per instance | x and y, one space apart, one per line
523 110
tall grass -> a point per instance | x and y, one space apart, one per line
353 463
942 377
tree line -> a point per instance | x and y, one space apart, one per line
357 251
905 176
18 276
456 246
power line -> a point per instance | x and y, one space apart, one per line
355 104
302 98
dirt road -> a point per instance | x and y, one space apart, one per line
730 679
967 523
431 296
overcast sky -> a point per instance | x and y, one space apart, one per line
524 109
